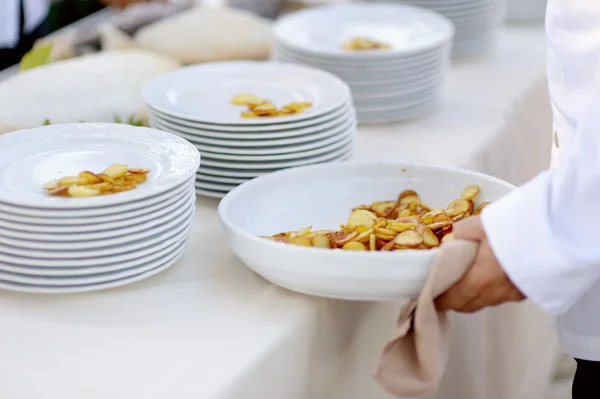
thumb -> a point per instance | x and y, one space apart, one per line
469 229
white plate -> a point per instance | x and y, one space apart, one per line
262 207
413 112
220 180
101 232
215 187
194 135
126 220
211 194
98 278
203 93
341 141
83 271
242 129
92 217
323 30
31 158
319 141
106 239
158 236
281 164
43 289
125 258
252 173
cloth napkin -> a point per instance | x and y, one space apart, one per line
414 359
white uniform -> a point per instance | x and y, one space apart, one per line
546 235
35 12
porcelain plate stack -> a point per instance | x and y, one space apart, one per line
476 22
195 103
60 244
397 83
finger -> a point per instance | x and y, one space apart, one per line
455 298
469 229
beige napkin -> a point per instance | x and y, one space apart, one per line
413 360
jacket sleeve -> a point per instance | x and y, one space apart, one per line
546 234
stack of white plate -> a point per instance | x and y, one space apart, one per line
476 22
402 82
525 12
195 103
61 244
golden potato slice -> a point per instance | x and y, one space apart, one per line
135 178
354 246
59 191
116 171
408 219
321 242
139 171
249 114
120 189
91 177
399 227
372 242
429 239
303 241
83 191
73 181
245 99
469 193
458 207
384 232
362 218
480 207
339 238
388 247
408 239
364 236
383 209
106 178
51 185
102 187
297 106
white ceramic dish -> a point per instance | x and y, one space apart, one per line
86 216
128 227
262 207
102 240
31 158
215 187
210 193
129 257
220 180
197 135
46 289
282 125
84 271
323 30
203 92
124 220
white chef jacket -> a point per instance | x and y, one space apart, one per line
35 12
546 235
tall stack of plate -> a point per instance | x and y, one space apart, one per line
402 82
525 12
476 22
60 244
195 104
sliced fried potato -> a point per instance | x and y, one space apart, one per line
73 181
303 241
91 177
470 193
102 187
362 218
408 239
120 189
321 242
480 208
139 171
372 242
383 209
59 191
429 239
340 238
135 179
116 171
458 207
83 191
52 185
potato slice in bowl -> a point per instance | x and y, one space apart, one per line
322 196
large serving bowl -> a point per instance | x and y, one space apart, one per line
322 196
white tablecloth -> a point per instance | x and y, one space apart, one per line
210 328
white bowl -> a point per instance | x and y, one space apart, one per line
322 196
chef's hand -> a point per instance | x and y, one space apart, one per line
125 3
485 283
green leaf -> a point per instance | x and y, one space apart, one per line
46 122
116 118
36 57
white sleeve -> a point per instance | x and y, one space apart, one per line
546 234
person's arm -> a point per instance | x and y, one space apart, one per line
546 235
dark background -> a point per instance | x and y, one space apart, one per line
65 12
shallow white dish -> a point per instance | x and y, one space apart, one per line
31 158
203 92
282 125
262 207
323 30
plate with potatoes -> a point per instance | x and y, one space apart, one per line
358 231
90 165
